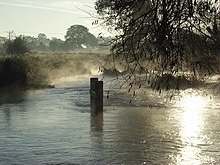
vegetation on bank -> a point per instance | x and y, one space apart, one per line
22 70
18 68
60 65
30 62
41 70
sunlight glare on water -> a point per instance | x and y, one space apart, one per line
55 126
191 127
193 102
192 118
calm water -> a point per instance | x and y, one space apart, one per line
54 126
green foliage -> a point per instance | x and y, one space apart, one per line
38 70
17 46
163 36
21 70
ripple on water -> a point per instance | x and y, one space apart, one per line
54 126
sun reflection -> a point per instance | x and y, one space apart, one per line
191 118
191 127
193 102
189 155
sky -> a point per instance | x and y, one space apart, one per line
51 17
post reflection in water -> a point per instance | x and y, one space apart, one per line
191 128
97 122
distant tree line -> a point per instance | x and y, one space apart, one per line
77 38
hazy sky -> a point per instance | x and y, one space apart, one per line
51 17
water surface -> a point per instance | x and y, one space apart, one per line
54 126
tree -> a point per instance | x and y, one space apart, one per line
42 36
31 42
56 45
78 37
42 39
17 46
160 37
43 42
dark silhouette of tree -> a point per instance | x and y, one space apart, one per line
17 46
160 37
78 37
214 32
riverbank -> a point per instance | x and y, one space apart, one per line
40 70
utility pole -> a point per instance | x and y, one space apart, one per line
10 35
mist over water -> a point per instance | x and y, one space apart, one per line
54 126
72 71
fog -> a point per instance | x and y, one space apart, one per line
74 68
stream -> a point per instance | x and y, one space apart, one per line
54 126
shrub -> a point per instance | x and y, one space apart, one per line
17 46
22 70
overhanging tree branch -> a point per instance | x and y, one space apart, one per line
164 35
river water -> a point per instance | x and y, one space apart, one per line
54 126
